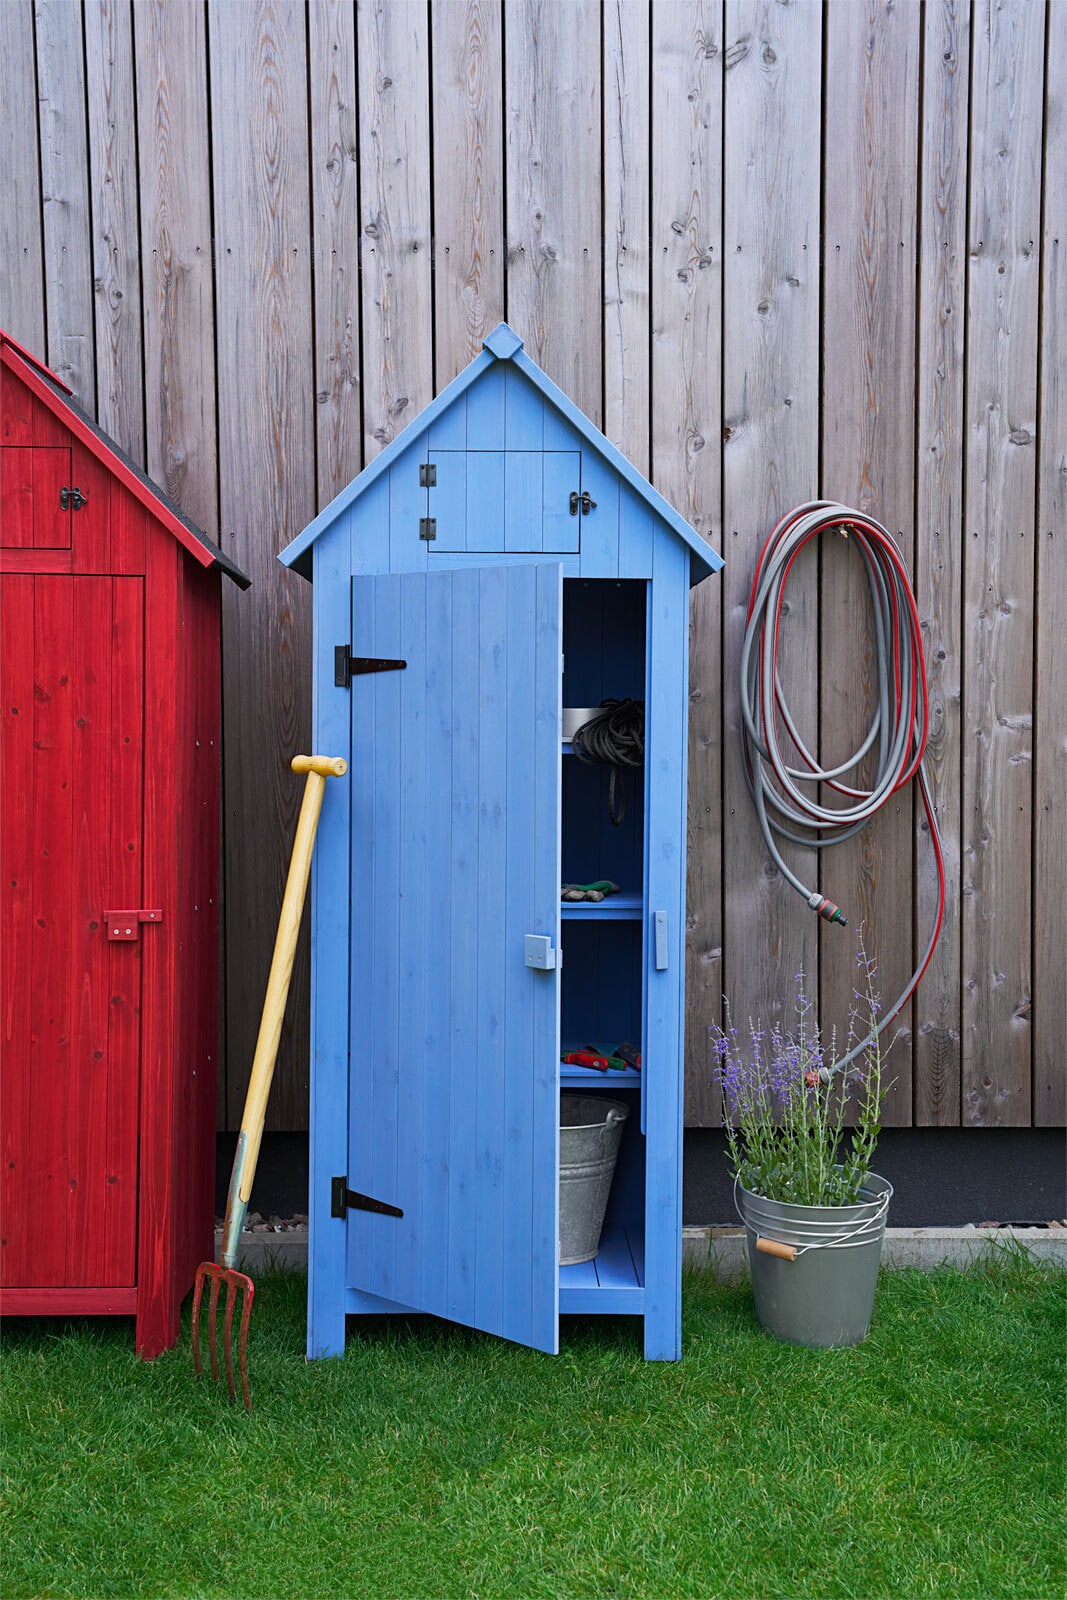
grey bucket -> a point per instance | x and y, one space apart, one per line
590 1132
825 1295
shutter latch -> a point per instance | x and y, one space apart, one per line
125 926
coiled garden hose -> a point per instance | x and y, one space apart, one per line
785 796
615 737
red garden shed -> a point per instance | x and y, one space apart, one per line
109 851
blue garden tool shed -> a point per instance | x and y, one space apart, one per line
498 561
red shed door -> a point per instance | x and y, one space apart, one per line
71 765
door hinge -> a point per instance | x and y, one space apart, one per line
343 1199
126 925
584 501
72 499
346 666
428 528
428 475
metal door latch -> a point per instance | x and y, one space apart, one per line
584 501
72 499
125 926
343 1199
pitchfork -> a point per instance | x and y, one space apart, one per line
318 769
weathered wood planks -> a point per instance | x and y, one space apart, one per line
21 256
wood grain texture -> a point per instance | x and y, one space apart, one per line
553 126
267 494
22 308
1050 657
939 448
335 212
172 131
394 107
687 112
468 145
868 432
1001 424
770 457
65 197
116 243
627 96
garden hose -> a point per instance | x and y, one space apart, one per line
785 796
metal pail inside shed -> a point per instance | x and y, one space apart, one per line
825 1296
590 1132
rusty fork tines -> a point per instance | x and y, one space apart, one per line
236 1283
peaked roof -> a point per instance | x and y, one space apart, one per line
53 393
503 344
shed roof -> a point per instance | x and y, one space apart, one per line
53 392
503 344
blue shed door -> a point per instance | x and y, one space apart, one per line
454 1049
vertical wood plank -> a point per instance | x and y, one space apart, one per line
91 804
553 126
868 433
172 129
394 105
267 495
65 198
687 112
17 803
939 541
22 301
627 97
49 948
116 244
770 455
335 211
1050 657
468 195
1001 422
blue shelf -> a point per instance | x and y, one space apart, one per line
613 1282
590 1078
613 908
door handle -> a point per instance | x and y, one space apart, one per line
539 952
659 932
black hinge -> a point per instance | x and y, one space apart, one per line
584 500
72 499
343 1199
347 666
427 528
428 475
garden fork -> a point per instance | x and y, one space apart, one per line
318 769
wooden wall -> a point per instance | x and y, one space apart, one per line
775 250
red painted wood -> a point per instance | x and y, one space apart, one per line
49 427
16 836
125 844
47 970
91 526
128 521
158 1307
118 1302
36 561
87 1105
16 498
51 473
16 410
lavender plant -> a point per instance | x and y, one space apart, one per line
785 1102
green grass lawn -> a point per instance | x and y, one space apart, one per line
432 1462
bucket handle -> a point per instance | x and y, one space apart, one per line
790 1252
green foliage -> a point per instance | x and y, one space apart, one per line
432 1462
786 1098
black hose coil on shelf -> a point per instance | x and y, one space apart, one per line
615 737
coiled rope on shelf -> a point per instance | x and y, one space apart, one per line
615 737
785 795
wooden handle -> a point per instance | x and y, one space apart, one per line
772 1247
325 766
318 769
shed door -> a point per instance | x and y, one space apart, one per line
72 662
454 1103
504 500
32 513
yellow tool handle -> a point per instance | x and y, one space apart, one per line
774 1247
318 769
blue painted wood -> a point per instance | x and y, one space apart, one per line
637 526
448 427
666 725
330 912
446 501
524 412
495 1139
523 500
485 410
407 504
562 474
368 525
600 526
485 501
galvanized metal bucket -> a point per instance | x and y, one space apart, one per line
815 1268
590 1132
